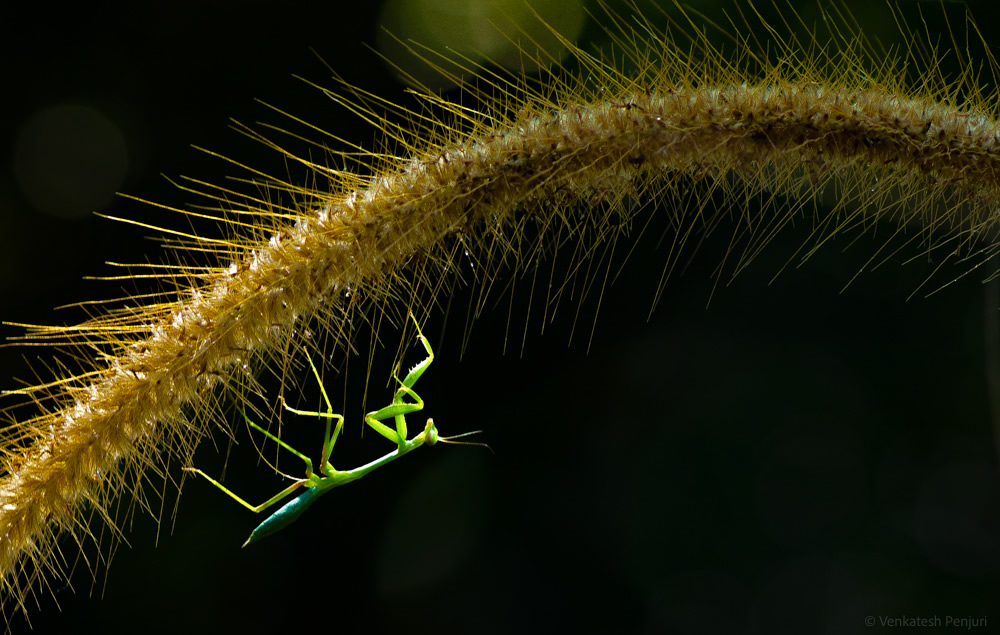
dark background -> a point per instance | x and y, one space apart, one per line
792 458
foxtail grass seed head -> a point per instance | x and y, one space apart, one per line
527 180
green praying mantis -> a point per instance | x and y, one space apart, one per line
318 484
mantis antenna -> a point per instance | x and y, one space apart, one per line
329 477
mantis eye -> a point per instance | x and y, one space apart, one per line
430 433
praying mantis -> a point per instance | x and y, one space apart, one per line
328 478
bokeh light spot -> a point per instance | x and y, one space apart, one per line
485 31
70 160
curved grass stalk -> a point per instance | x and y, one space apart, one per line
531 171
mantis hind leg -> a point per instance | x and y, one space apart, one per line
310 475
254 508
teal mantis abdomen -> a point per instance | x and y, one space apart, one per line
288 513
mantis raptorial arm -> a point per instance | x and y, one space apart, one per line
329 477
